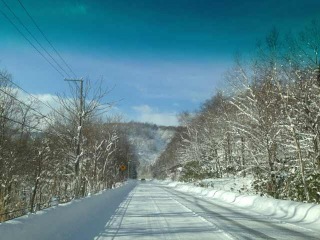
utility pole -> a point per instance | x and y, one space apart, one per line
79 134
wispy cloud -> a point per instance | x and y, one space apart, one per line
152 115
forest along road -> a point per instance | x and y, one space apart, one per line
153 211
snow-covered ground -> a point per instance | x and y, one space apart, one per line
306 214
168 210
236 184
79 219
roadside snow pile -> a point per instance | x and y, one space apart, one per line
288 211
241 185
70 219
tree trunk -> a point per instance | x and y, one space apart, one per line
301 163
242 157
34 192
274 187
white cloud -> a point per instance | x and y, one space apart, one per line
46 101
145 109
150 115
143 113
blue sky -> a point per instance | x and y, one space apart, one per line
162 56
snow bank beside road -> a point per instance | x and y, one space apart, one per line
78 219
294 212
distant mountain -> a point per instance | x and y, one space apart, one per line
149 141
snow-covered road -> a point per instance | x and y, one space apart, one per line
153 211
150 210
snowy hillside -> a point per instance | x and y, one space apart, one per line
149 141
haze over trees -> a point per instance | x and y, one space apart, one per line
149 141
267 126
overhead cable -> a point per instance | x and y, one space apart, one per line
45 37
34 38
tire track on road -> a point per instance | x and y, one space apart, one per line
271 225
167 225
246 233
215 226
125 208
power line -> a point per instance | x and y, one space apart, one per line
44 117
24 36
45 37
37 99
22 124
34 38
13 97
30 127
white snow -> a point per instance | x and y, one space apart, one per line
305 214
236 184
79 218
154 211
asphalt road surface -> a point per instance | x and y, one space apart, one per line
153 211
